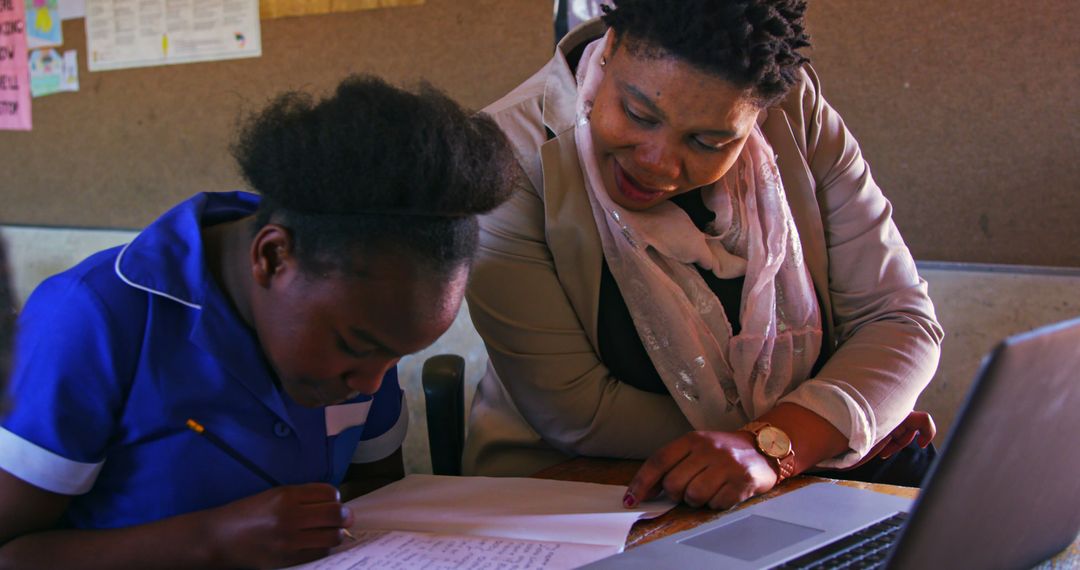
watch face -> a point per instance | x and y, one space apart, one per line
774 442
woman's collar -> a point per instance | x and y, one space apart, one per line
560 90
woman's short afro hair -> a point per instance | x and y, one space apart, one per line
751 43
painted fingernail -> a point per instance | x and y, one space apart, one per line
628 500
346 514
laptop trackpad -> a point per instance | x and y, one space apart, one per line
751 538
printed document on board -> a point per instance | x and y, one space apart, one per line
138 33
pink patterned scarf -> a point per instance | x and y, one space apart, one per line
718 380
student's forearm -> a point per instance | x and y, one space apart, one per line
282 526
184 541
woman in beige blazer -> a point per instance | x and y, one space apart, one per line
666 118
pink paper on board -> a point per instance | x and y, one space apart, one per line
14 67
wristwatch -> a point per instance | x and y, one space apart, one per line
774 443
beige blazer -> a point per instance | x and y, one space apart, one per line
534 292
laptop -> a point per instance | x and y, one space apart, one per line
1003 493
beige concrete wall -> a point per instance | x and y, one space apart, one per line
977 306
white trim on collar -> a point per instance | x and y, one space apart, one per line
341 417
116 268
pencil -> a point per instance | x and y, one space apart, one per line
232 452
228 449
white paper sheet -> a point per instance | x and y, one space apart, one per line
487 522
136 33
71 9
505 507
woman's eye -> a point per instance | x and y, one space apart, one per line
708 145
636 117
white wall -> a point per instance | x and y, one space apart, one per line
37 253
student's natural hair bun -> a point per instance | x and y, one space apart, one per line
372 146
374 155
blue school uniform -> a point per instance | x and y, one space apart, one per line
115 354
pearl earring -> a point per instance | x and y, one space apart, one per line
603 61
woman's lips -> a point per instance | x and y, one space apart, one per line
631 189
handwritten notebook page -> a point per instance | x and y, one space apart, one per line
399 550
487 522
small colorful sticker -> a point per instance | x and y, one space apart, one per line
50 73
43 27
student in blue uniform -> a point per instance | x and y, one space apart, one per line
7 323
274 320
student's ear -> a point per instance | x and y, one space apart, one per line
273 254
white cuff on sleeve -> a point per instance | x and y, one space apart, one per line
843 407
45 469
369 450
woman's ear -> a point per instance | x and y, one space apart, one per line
611 41
272 254
609 45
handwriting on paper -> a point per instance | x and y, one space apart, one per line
396 550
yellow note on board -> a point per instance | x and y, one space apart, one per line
43 20
269 9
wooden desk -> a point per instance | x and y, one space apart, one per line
683 517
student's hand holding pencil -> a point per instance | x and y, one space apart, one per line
283 526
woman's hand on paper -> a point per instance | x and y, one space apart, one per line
283 526
718 469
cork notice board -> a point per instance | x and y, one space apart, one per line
966 111
134 142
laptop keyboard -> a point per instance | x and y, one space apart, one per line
864 549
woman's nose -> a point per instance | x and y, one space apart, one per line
659 161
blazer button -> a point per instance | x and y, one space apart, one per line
282 429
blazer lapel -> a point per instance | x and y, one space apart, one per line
571 232
801 189
572 238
